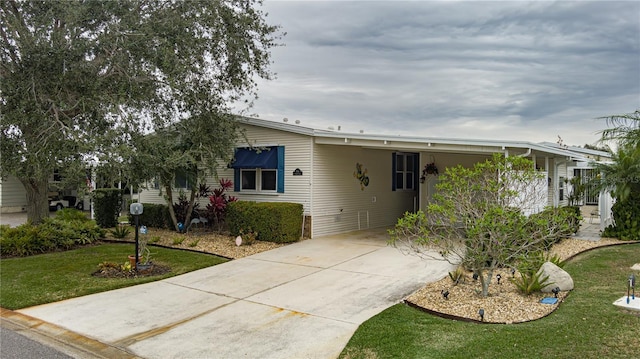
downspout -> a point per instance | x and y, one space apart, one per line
526 154
311 203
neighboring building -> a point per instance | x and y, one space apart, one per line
13 197
348 181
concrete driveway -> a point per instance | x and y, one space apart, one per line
304 300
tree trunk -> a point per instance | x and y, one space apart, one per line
172 213
192 200
485 280
37 190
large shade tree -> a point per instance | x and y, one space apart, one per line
193 148
81 79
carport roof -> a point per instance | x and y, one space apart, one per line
435 144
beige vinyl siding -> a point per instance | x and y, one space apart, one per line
297 154
12 195
339 202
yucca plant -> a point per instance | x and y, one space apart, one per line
528 283
120 232
457 276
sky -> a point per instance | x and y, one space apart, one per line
505 70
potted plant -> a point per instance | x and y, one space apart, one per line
429 169
144 256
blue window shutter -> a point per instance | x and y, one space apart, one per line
280 169
393 171
236 180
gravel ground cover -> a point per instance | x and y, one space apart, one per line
504 304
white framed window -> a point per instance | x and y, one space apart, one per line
263 180
404 171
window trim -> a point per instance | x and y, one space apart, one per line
258 180
409 170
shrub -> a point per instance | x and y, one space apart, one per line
181 207
53 234
153 215
530 263
108 202
575 216
561 221
457 276
71 214
248 237
274 222
626 215
120 231
218 201
528 283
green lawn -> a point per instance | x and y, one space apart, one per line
52 277
586 325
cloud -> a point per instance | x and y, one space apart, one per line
496 70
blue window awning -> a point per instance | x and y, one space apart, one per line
248 158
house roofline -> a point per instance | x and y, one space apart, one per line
572 153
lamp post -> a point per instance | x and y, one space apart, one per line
631 287
136 210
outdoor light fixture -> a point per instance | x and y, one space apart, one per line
445 294
136 210
481 314
498 277
555 291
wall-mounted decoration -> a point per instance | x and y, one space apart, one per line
361 175
297 172
429 169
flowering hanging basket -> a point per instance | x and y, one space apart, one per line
429 169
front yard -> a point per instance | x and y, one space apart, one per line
586 324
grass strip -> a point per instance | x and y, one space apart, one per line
52 277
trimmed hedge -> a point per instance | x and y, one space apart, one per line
108 202
273 221
153 216
66 231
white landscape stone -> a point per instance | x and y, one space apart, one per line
557 277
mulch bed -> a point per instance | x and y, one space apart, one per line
116 271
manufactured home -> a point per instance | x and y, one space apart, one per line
354 181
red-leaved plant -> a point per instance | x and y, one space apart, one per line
217 207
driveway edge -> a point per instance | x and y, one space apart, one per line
60 338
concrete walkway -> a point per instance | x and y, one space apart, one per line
304 300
